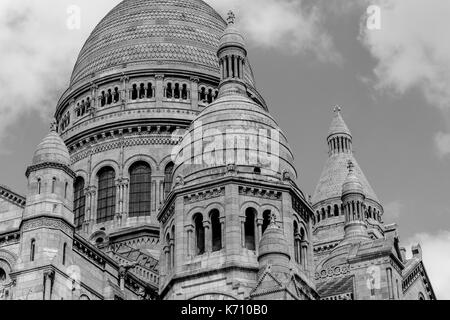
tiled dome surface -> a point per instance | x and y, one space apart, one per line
150 33
52 149
334 175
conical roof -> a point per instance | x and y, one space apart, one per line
52 149
338 125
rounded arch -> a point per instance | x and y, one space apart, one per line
215 206
100 166
164 162
207 295
9 258
250 204
82 174
139 158
190 215
269 207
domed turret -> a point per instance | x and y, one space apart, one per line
52 149
274 249
234 134
353 201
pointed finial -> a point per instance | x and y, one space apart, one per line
337 109
231 17
350 166
273 219
53 126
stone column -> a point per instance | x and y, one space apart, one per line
172 253
194 93
222 231
49 277
259 234
243 232
159 90
208 236
124 92
189 241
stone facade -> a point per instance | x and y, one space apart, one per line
118 207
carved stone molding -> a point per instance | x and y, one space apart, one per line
260 193
204 195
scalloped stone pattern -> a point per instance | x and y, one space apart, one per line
153 32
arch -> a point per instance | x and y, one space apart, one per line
9 258
169 255
297 244
39 186
169 91
199 233
142 91
267 215
249 228
216 230
336 210
140 189
32 249
421 296
64 254
139 158
184 92
109 97
134 92
149 90
101 165
168 178
53 185
79 202
106 201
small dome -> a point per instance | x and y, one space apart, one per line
273 241
352 183
231 36
52 149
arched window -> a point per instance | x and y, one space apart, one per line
106 205
116 95
169 91
249 229
266 220
203 95
336 210
109 97
53 185
134 92
103 99
297 245
168 179
421 296
2 275
216 229
177 91
64 254
66 187
169 254
210 96
184 92
79 202
199 234
142 91
32 250
140 190
39 186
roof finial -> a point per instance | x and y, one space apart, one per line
273 219
53 126
350 166
337 109
231 17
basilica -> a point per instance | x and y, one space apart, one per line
164 177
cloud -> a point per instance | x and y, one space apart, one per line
394 209
37 52
436 257
410 48
442 142
291 26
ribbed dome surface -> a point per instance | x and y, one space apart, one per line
52 149
154 34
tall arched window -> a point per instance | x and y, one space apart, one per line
39 186
297 243
168 179
64 254
79 202
106 205
32 250
336 210
266 222
199 234
216 228
249 229
169 255
53 185
140 189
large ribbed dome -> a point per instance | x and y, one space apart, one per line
159 34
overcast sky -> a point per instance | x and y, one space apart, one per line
393 85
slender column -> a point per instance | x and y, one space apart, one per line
123 94
208 237
194 92
243 232
222 233
172 252
304 254
229 67
189 241
159 90
235 67
259 223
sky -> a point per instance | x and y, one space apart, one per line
391 76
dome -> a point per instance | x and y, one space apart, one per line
273 241
338 125
153 34
232 36
52 149
234 131
352 183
